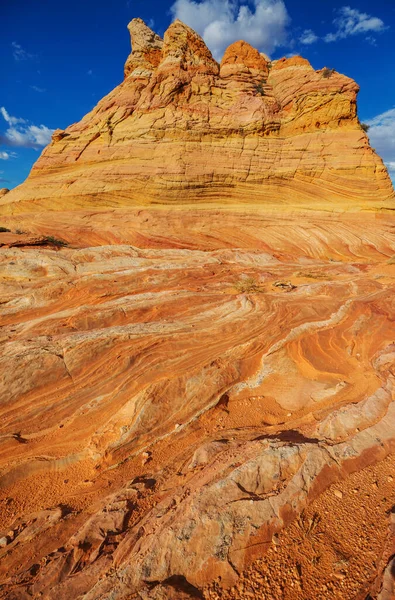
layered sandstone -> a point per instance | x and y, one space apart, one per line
147 50
182 129
200 403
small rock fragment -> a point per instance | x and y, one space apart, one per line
284 285
145 457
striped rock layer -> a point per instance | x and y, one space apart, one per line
183 129
200 403
177 387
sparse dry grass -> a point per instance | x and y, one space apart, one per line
249 286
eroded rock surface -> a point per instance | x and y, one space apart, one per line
174 408
187 391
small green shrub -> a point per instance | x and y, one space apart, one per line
259 88
4 230
49 239
365 127
110 127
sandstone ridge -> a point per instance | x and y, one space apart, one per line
196 374
183 130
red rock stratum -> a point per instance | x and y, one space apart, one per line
197 360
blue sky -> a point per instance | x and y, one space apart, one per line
59 58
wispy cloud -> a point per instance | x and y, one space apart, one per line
371 39
308 37
20 53
38 89
10 120
21 133
350 21
382 137
7 155
222 22
3 179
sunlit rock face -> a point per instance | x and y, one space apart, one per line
182 129
147 50
190 361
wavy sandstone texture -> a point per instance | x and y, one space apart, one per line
199 402
183 129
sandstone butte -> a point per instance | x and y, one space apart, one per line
198 340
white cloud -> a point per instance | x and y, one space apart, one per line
20 53
308 37
222 22
20 133
10 120
350 21
6 155
382 137
38 89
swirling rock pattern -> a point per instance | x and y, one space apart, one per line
170 406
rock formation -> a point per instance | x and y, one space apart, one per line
197 401
183 129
